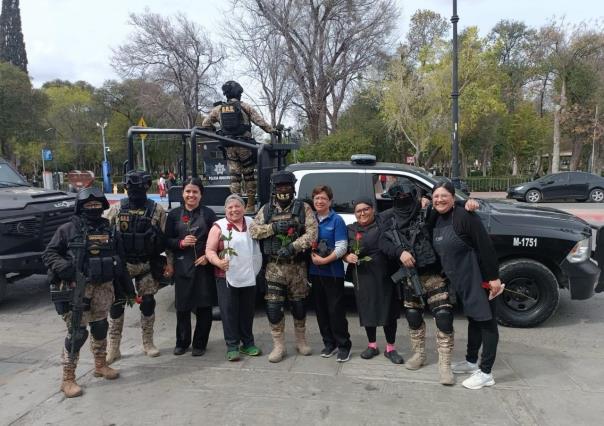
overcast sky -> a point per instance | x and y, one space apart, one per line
72 39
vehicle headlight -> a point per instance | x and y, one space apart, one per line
519 188
580 252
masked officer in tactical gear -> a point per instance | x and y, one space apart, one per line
140 222
412 248
235 118
286 229
105 278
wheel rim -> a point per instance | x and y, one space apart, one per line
533 196
524 286
597 195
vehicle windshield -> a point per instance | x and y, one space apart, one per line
8 177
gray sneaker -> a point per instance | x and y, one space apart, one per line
464 367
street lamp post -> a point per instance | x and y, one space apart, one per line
455 104
106 168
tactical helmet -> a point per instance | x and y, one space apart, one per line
402 188
137 178
90 194
283 177
232 89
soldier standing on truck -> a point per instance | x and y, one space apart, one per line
84 257
286 229
408 241
140 222
235 118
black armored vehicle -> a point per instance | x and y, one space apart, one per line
540 250
28 219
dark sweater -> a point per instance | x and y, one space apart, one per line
470 229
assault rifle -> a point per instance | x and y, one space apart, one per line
409 273
78 306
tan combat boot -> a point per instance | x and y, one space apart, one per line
69 386
418 344
444 343
147 330
251 204
301 345
101 369
115 337
278 352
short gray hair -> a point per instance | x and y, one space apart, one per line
233 197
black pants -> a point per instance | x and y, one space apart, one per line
237 313
485 334
202 328
328 294
389 332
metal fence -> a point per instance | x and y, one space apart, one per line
496 184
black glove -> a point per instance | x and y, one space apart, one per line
287 251
276 132
67 273
281 227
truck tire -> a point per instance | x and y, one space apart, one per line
3 287
534 279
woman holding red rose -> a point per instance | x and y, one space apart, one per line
187 229
376 297
237 260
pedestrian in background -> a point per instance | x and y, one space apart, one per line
376 297
327 276
237 260
187 229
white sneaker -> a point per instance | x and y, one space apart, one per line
478 380
464 367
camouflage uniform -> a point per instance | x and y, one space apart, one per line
146 286
241 160
286 278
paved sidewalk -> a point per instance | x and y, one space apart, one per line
540 378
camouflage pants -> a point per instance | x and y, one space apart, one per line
291 277
437 294
241 162
143 280
101 298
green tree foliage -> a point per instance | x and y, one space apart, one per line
12 46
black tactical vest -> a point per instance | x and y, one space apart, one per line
272 244
101 262
233 120
416 234
139 237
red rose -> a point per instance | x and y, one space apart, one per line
138 300
290 232
485 284
229 226
185 219
358 236
315 245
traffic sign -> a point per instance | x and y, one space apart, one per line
47 154
141 123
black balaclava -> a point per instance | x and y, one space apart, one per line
137 195
285 199
92 216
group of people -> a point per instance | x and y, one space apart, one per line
413 254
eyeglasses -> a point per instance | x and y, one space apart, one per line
365 210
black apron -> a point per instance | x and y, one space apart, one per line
194 287
460 264
376 295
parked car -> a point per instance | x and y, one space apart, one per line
578 186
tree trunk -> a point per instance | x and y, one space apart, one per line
559 109
514 165
577 150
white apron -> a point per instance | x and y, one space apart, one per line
244 267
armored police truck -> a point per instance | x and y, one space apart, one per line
29 218
541 250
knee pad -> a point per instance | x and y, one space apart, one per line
79 337
148 305
298 309
444 320
415 318
116 310
274 312
98 329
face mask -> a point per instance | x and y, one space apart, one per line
92 215
403 203
137 195
284 199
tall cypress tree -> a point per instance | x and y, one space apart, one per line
12 46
